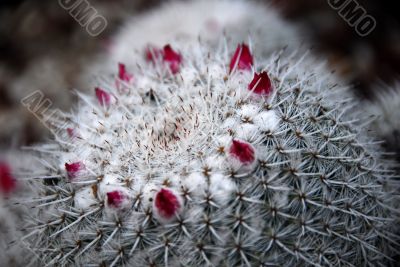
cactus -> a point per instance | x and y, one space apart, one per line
385 106
7 183
195 156
10 215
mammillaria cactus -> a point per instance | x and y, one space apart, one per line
7 185
210 157
385 106
10 251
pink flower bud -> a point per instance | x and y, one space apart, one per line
72 133
73 169
169 56
242 59
7 181
242 151
103 97
115 199
166 204
261 84
172 58
123 75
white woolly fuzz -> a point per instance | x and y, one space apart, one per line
221 188
248 112
229 124
196 183
216 162
147 196
267 121
85 198
247 131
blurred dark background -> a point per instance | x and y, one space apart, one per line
34 34
365 60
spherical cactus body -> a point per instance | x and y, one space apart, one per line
198 156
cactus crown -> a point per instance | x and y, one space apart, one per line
194 157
